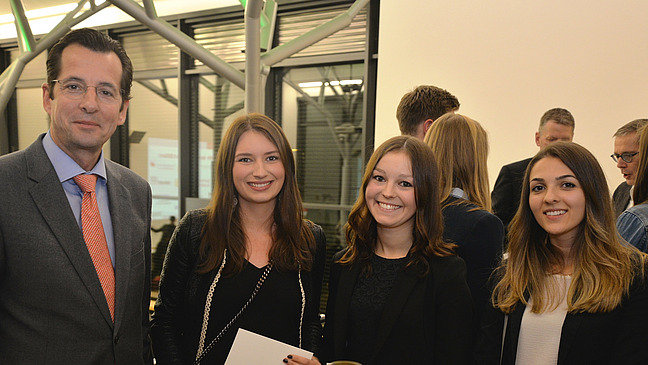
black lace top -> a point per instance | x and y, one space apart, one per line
367 303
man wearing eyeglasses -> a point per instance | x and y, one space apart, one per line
626 150
75 227
556 124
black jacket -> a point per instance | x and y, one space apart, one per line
426 320
617 337
621 198
508 190
479 236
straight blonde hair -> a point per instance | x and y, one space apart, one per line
460 146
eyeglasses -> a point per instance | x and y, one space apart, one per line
626 156
75 89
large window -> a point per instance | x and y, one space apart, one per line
316 96
220 102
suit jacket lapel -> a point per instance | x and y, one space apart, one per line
513 333
50 199
568 335
120 208
348 278
403 285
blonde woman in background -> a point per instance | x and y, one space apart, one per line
460 146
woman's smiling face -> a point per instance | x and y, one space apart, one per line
556 199
390 192
258 171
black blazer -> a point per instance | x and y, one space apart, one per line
480 237
425 320
621 198
508 190
617 337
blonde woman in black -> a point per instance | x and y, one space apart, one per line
460 146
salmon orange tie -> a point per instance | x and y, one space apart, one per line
95 238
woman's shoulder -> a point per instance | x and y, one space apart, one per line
441 264
318 234
445 260
195 214
192 223
314 227
467 210
194 217
338 255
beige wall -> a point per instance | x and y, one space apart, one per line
509 61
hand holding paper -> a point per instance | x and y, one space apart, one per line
251 348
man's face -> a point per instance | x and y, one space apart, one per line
553 132
81 126
627 144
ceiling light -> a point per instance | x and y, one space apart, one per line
332 83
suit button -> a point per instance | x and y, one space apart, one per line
116 340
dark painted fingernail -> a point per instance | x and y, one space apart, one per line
286 361
289 356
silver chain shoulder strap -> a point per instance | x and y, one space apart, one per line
303 305
202 351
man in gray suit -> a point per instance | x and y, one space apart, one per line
54 308
626 149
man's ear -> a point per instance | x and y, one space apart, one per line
122 112
537 138
47 101
427 124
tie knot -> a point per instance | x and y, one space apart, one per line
86 182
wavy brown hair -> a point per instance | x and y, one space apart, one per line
460 146
361 228
604 268
293 242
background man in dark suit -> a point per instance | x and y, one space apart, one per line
422 106
626 148
54 308
556 124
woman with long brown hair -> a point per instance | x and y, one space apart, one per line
398 294
249 260
570 291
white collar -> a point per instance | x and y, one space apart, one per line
458 193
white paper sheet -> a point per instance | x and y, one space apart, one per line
250 348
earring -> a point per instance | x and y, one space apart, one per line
235 201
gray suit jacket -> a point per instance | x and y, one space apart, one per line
52 307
